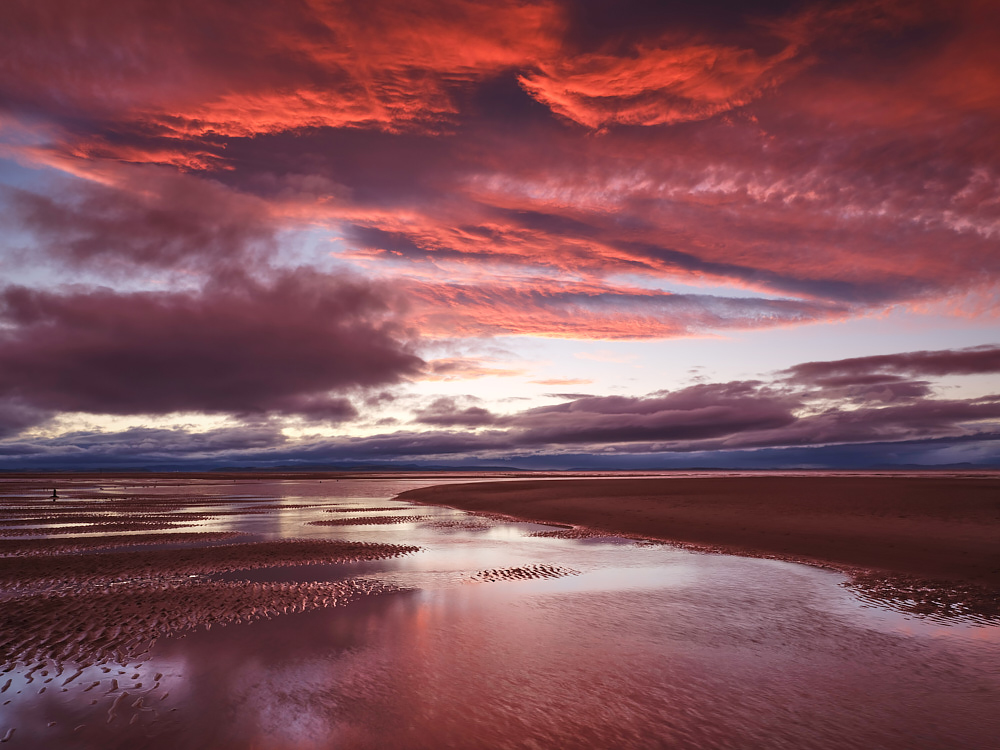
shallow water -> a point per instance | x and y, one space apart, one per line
633 646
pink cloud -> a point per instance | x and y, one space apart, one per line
465 368
675 81
204 70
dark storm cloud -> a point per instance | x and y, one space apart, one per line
742 415
238 345
691 414
971 451
161 442
16 415
257 446
894 422
875 388
142 445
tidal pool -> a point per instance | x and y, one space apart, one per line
490 638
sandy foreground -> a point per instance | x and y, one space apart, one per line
108 596
939 527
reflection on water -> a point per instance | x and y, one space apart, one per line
491 643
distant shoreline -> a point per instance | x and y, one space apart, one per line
940 527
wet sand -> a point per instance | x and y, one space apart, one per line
945 528
29 547
34 572
368 521
86 600
99 625
486 634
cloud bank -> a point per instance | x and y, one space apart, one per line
295 345
745 422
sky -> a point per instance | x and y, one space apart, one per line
537 234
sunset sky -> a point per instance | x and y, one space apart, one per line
577 234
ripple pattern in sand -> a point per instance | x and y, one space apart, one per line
110 527
122 625
471 524
62 571
31 547
577 532
940 601
523 573
362 510
368 521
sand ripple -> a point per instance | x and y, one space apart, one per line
578 532
524 573
935 600
59 571
110 527
361 510
368 521
29 547
472 524
86 518
122 624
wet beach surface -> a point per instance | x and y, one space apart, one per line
213 613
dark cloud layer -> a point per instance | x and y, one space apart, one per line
292 345
447 412
886 367
692 414
748 422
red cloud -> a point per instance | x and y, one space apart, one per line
595 311
674 82
193 69
835 190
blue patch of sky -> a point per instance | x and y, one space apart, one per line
315 247
34 178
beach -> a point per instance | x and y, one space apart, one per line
939 527
275 610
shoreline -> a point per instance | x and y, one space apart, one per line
946 529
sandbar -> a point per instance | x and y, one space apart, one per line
939 527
